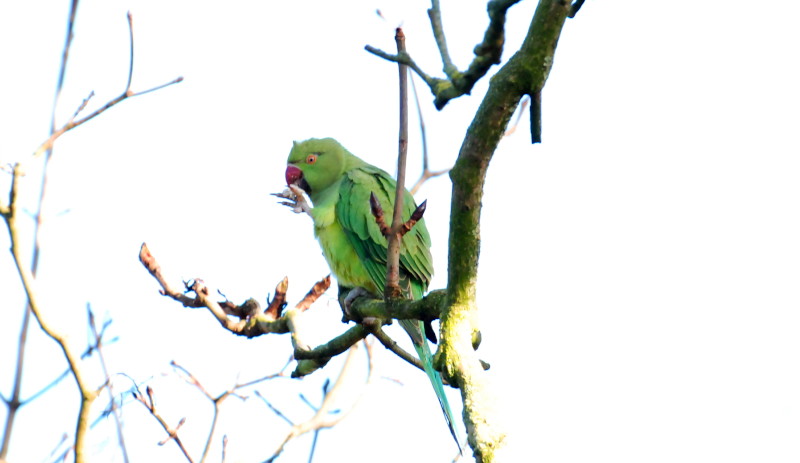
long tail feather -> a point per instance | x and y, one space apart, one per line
415 330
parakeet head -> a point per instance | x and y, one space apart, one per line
315 164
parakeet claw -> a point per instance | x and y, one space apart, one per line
296 199
354 294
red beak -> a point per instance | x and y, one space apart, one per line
293 174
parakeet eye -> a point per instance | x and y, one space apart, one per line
311 159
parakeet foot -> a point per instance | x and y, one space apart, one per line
295 199
354 294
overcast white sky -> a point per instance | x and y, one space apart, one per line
638 281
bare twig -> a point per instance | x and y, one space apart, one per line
87 394
224 447
391 344
274 410
255 324
322 418
97 336
435 15
28 270
87 353
14 402
392 287
279 374
426 172
130 66
215 400
47 145
172 433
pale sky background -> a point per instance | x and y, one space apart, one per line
639 269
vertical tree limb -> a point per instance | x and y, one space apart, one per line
14 402
392 289
525 73
28 281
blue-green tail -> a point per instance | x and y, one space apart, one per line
415 329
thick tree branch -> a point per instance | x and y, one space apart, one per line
524 74
427 308
310 360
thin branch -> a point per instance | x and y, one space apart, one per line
98 343
392 345
88 395
255 325
435 15
48 144
310 360
404 58
575 8
216 401
82 106
322 418
487 54
13 403
259 323
172 433
279 374
86 354
274 410
426 172
224 447
130 66
392 287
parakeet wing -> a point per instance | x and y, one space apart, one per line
354 214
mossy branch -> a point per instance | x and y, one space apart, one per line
524 74
487 54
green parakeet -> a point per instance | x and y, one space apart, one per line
339 185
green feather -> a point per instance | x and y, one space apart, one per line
340 185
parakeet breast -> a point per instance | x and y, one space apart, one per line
341 255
